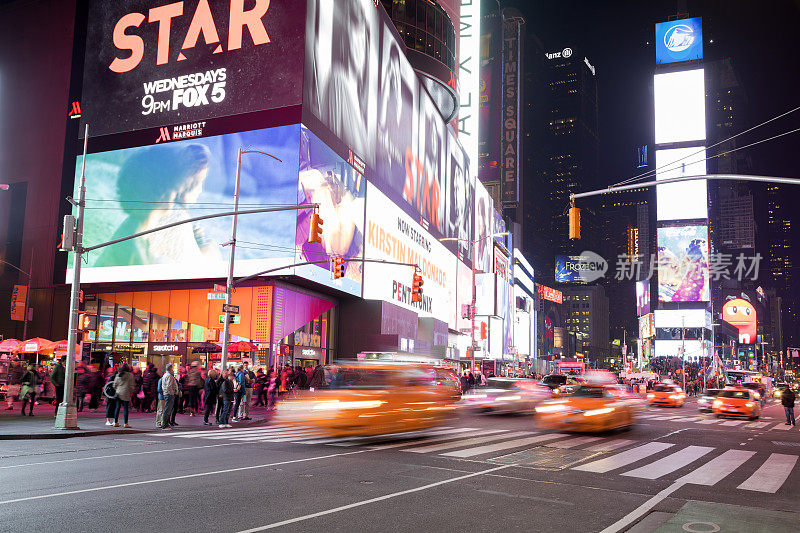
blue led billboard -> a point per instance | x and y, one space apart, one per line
679 40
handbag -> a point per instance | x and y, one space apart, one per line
141 394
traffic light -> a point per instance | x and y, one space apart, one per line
483 330
574 223
337 267
416 288
315 235
68 237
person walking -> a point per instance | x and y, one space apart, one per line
272 389
226 393
317 378
260 387
57 379
210 395
27 393
194 382
138 382
249 378
464 382
240 380
787 400
15 373
110 394
169 389
83 386
300 379
150 387
124 385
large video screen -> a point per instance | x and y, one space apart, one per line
684 199
363 98
392 235
683 264
484 220
679 40
680 106
642 297
150 64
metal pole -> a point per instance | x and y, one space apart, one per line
67 415
683 350
229 285
473 309
27 299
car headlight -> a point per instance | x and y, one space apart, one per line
471 396
674 396
595 412
749 404
334 405
650 396
551 408
717 403
507 398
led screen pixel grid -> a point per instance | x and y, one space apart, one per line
680 108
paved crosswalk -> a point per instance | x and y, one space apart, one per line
605 455
768 425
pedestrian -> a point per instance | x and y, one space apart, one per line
210 395
150 387
317 378
83 387
471 380
226 393
170 391
194 381
124 386
300 379
15 373
138 382
464 382
238 390
57 379
250 377
29 382
110 394
260 387
787 400
272 389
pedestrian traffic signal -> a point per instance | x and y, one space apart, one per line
416 288
337 267
483 330
315 235
574 223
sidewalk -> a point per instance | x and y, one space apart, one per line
13 426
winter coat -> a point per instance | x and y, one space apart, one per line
226 390
210 392
84 383
318 377
57 377
787 397
150 382
138 381
193 378
124 384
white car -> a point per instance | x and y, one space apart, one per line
505 395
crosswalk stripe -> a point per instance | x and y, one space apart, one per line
670 463
648 416
466 442
717 468
757 425
260 434
610 445
624 458
490 448
772 474
782 427
708 421
451 434
689 419
571 443
732 422
279 438
409 434
229 431
663 418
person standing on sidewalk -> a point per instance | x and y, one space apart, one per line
57 379
226 394
110 394
787 400
30 380
210 395
138 381
239 382
169 388
194 381
150 386
249 378
124 384
15 372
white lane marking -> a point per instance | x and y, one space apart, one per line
708 421
422 443
175 478
280 438
757 425
271 434
95 458
571 443
733 423
466 442
782 427
689 419
610 445
772 474
717 468
624 458
648 416
373 500
516 443
448 434
640 511
669 463
226 431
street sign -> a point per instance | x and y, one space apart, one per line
230 308
220 288
234 319
216 295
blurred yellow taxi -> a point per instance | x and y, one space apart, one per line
737 402
666 394
371 399
590 408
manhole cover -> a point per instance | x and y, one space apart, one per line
543 457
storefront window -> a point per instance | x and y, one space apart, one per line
90 308
159 327
105 322
122 328
178 331
139 325
198 333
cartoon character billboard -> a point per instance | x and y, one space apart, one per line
741 314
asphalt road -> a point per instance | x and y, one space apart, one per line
675 470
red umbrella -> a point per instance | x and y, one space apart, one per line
242 346
35 345
8 345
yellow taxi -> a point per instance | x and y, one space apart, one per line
737 402
590 408
666 394
371 399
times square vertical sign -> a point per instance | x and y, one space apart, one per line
512 29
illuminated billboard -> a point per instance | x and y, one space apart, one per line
469 41
682 318
680 106
684 199
683 264
583 268
679 40
149 65
550 294
484 220
642 297
741 314
647 326
363 98
392 235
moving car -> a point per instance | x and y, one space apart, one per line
666 394
506 395
737 402
706 399
371 399
561 384
590 408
